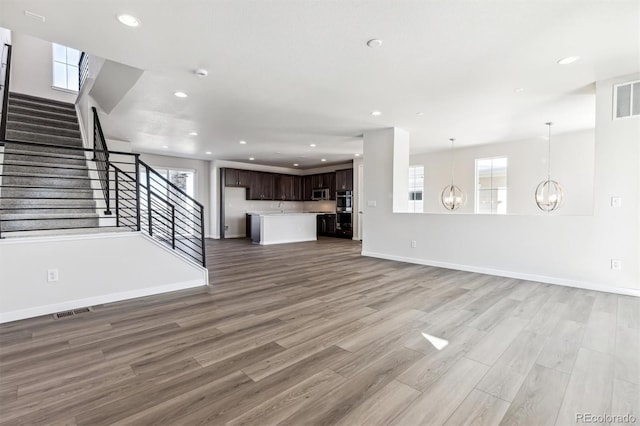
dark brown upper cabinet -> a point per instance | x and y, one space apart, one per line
344 180
237 178
261 187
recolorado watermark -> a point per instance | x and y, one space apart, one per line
605 418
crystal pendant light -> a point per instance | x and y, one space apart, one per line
452 196
549 192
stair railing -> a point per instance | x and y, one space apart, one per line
5 74
101 157
83 70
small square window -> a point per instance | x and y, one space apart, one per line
65 67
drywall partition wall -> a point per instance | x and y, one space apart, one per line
568 250
92 269
201 167
400 170
572 165
31 69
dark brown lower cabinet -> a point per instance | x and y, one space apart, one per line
326 225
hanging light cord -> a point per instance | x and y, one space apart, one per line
549 152
452 139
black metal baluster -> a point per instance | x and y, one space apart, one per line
117 199
137 158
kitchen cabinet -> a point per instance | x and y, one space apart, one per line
325 180
287 187
307 187
261 186
297 188
344 180
237 178
326 224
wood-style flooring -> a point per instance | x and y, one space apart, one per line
313 333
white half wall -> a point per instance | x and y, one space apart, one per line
93 269
567 250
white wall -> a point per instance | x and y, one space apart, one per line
201 167
92 269
5 36
31 69
572 158
570 250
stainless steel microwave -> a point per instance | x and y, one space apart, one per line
320 194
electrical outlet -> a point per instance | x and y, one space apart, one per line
226 227
52 275
616 202
413 244
616 264
371 203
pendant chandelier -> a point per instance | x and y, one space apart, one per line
452 196
549 192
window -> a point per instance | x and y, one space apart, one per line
65 67
491 185
626 99
416 188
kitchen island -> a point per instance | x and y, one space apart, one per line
280 228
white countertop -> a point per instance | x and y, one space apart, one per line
287 213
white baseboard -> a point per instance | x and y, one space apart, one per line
286 241
510 274
96 300
235 236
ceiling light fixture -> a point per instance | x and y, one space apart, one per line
568 60
519 89
323 160
193 133
312 145
34 16
128 20
357 155
296 164
374 43
420 114
201 72
180 94
549 193
251 158
208 152
376 113
243 142
165 146
452 196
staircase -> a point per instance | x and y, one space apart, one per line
44 187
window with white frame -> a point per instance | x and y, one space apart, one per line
491 185
65 67
626 99
416 188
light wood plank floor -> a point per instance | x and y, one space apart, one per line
313 333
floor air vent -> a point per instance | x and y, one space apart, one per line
71 313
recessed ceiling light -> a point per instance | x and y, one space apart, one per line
374 42
180 94
519 89
243 142
568 60
201 72
128 20
296 164
323 160
165 146
251 158
420 114
357 155
193 133
208 152
376 113
312 145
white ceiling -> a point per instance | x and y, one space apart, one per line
287 73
